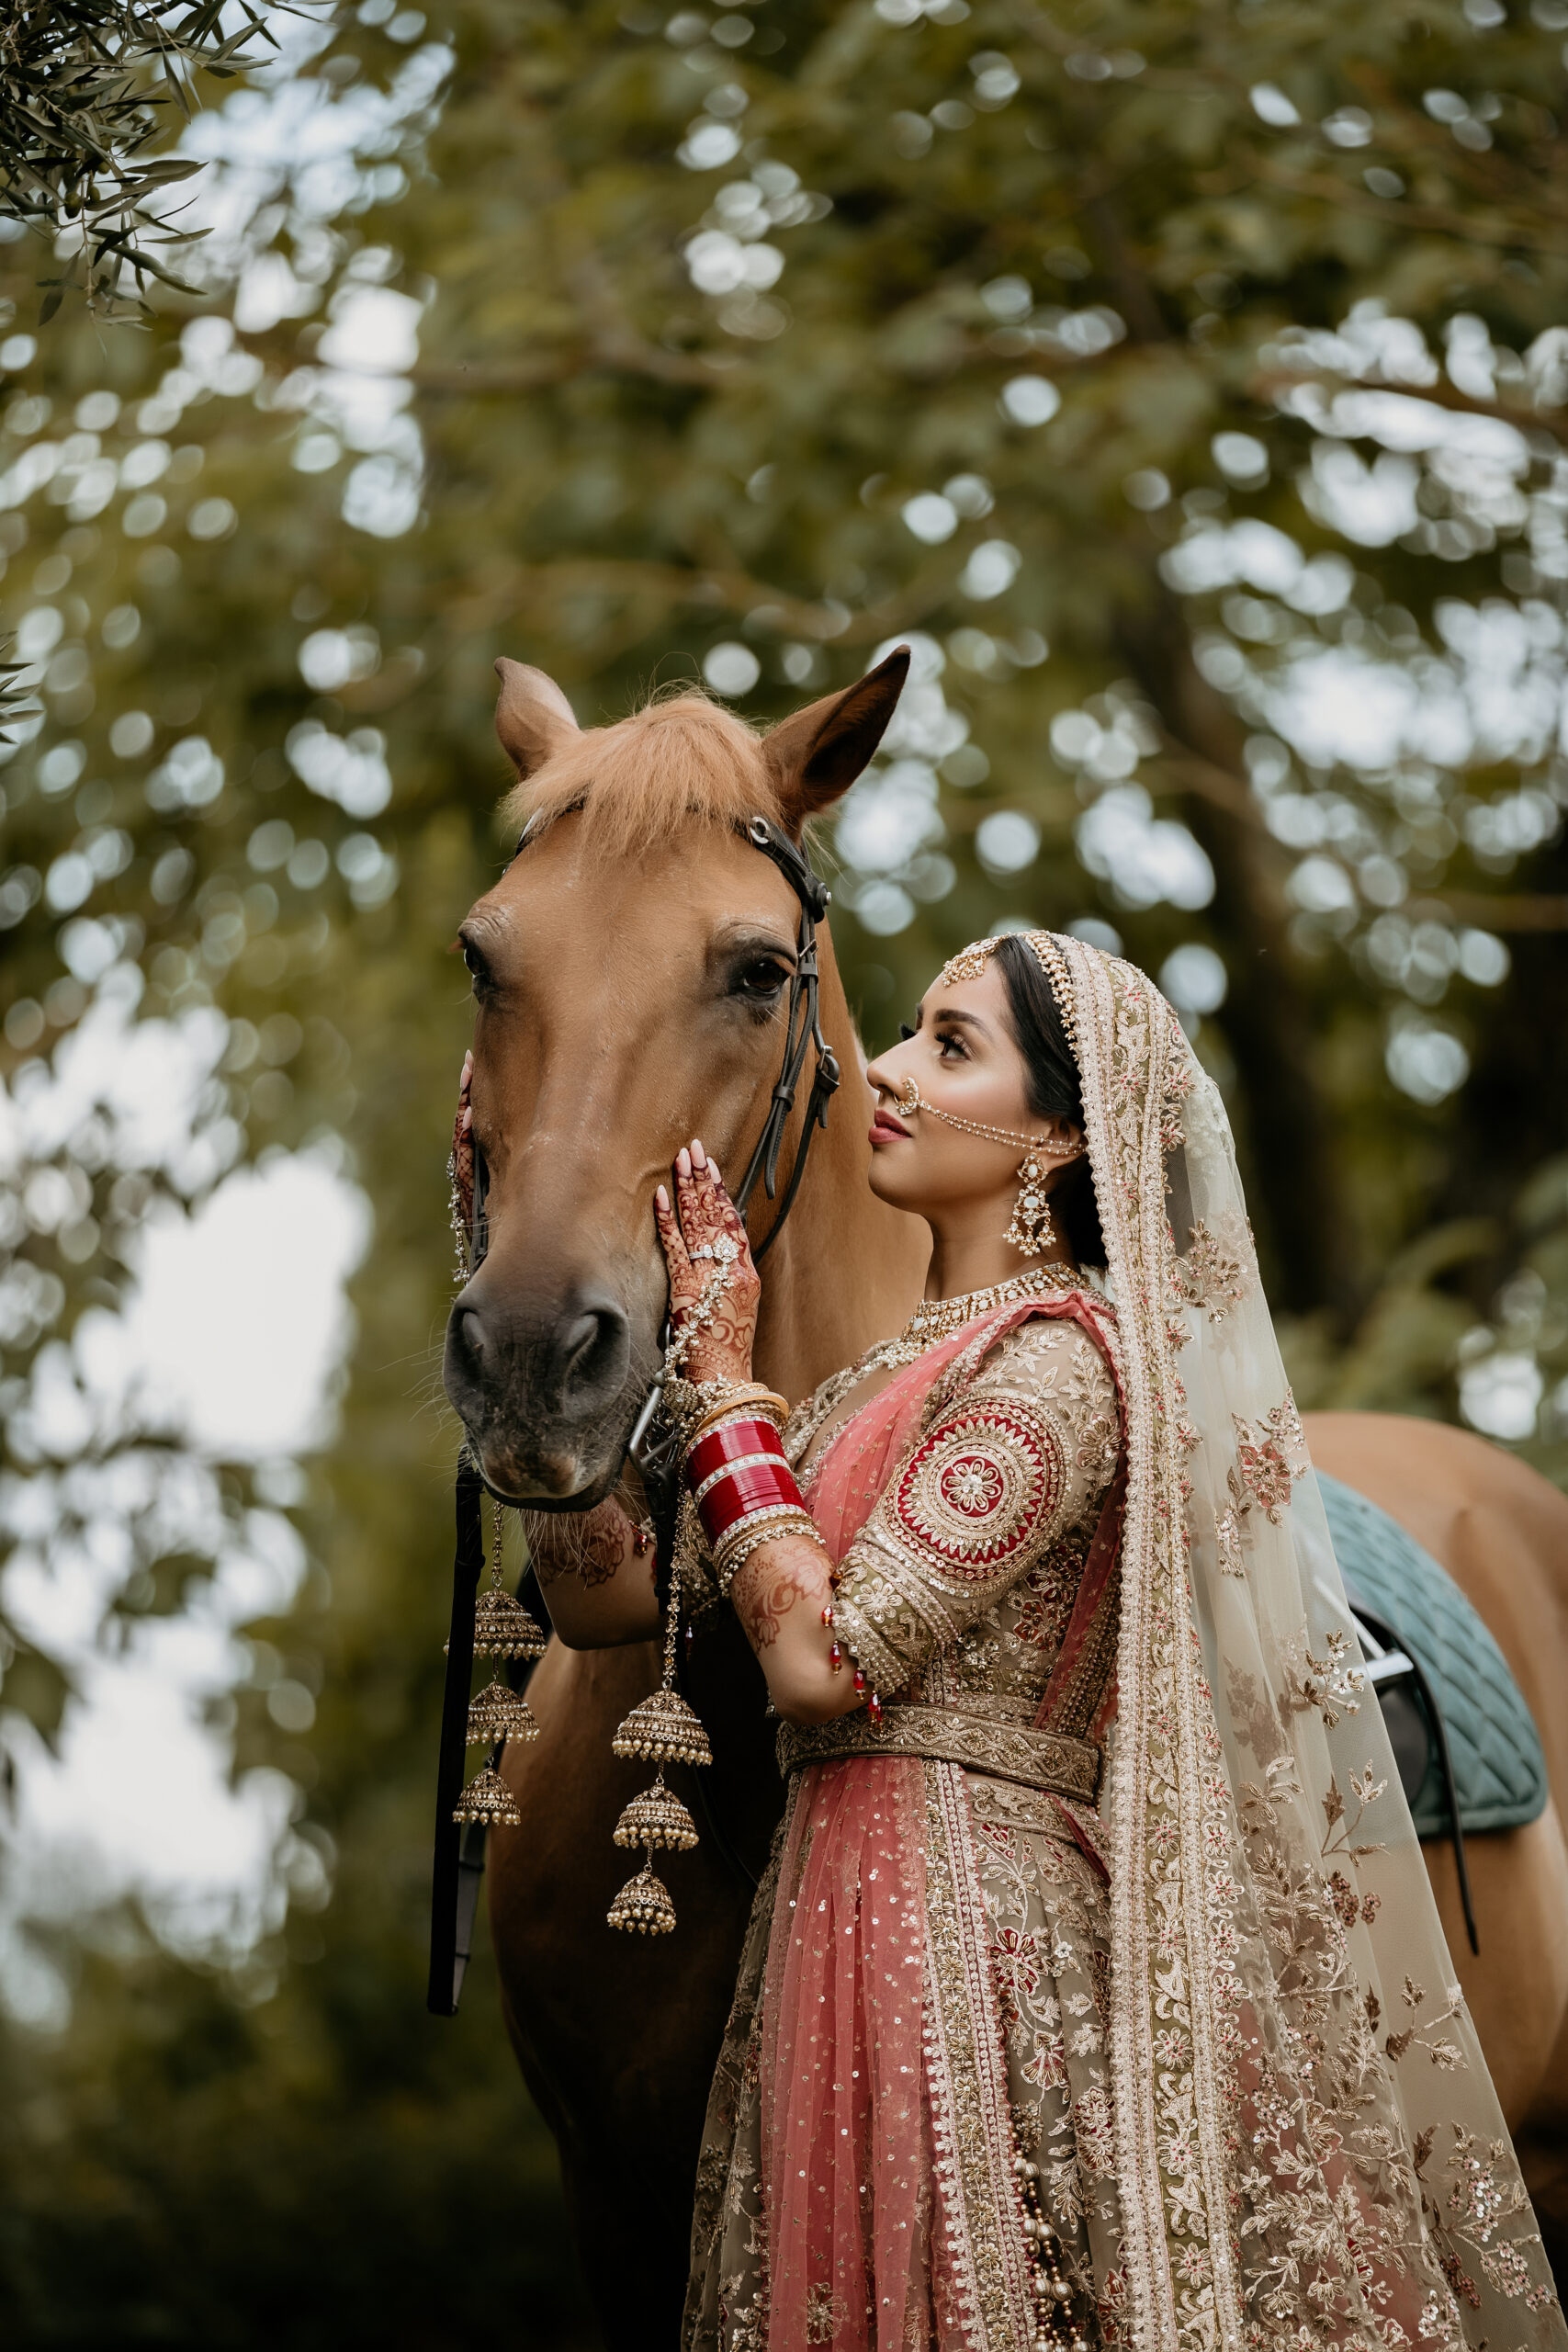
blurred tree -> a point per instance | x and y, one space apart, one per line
1185 384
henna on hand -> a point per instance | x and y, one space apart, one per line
720 1348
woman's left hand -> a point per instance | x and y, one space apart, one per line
721 1348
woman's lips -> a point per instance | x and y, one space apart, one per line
885 1128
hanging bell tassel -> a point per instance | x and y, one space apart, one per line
499 1714
659 1730
657 1818
643 1906
488 1799
502 1627
662 1730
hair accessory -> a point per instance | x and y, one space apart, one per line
970 963
1054 964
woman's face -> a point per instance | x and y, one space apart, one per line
964 1060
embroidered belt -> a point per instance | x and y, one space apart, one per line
1039 1760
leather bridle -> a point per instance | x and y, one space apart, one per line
460 1855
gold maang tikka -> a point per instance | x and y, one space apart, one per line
1033 1229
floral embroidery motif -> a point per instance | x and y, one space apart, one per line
1227 1538
976 1489
1215 1275
1271 1455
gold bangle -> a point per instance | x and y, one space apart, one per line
752 1532
748 1402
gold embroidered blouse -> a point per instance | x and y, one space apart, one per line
959 1587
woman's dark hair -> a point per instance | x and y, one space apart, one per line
1051 1083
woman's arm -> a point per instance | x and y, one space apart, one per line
779 1595
596 1571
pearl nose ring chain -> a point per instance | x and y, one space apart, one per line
912 1100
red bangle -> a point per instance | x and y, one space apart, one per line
757 1488
728 1442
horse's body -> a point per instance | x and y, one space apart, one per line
617 2036
1501 1530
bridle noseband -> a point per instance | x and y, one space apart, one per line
460 1856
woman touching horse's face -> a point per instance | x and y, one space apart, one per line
963 1058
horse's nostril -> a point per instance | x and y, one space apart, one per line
591 1352
475 1337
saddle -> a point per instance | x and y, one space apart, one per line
1498 1769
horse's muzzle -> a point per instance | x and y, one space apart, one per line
545 1393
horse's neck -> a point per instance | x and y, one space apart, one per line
846 1270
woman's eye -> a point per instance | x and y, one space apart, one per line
949 1039
904 1031
762 979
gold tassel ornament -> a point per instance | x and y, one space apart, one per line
487 1798
659 1730
657 1818
502 1628
643 1906
499 1714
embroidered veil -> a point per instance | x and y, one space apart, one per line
1308 2146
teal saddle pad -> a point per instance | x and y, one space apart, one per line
1499 1771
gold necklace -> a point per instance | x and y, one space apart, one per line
938 1319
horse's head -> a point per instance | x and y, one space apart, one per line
631 971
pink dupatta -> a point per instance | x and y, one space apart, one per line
848 2162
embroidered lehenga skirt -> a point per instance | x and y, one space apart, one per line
924 1991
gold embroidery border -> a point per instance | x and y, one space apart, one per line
1037 1759
1162 1958
967 2081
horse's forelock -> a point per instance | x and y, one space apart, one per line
685 759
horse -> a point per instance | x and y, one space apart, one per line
624 1005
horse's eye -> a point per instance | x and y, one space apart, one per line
761 978
478 969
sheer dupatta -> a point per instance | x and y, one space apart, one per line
1308 2144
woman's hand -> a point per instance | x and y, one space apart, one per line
706 1235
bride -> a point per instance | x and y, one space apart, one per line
1095 1994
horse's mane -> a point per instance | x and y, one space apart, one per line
681 760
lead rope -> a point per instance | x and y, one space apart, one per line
462 1822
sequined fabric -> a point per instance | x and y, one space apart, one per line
856 2180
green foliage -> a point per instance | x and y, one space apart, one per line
81 93
258 594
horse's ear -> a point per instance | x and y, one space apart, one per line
816 755
532 717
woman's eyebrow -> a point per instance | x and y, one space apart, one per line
963 1020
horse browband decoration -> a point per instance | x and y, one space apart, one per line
459 1850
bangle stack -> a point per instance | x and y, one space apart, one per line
742 1486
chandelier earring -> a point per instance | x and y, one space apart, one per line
1034 1229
